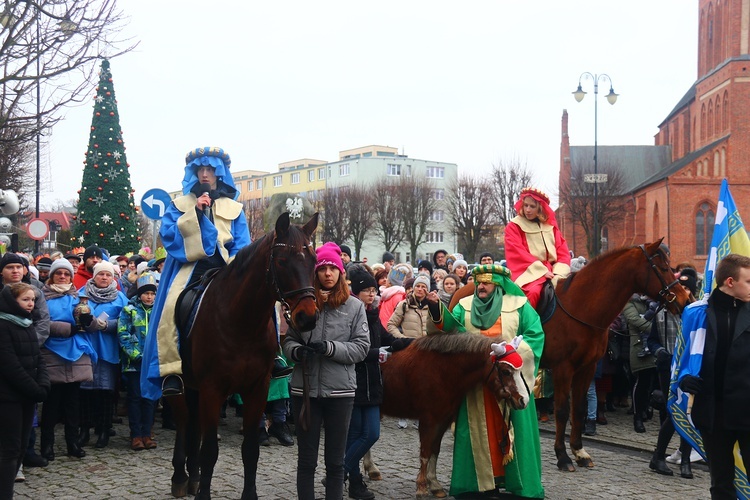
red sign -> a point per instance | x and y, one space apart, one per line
37 229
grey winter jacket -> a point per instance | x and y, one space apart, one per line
346 334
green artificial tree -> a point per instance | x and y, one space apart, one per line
106 209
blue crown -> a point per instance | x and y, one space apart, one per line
208 151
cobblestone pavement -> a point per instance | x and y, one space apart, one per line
620 455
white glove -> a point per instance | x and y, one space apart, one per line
384 355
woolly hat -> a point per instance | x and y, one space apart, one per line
486 254
424 280
12 258
44 264
409 283
329 255
460 262
104 266
689 278
388 256
142 266
345 249
360 279
399 273
69 256
146 283
93 251
425 264
61 264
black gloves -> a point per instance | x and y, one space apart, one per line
652 308
663 357
691 384
86 319
318 347
400 344
303 352
434 310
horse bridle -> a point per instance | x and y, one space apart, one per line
271 276
666 292
496 368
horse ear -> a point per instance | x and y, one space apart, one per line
311 225
282 224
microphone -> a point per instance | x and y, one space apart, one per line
206 189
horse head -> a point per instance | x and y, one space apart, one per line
665 287
505 379
291 271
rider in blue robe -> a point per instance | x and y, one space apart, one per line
202 229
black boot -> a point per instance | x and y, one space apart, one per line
84 437
48 451
685 470
589 428
263 437
102 439
280 431
71 440
659 465
280 368
358 489
638 425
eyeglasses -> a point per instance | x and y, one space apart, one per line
62 273
123 266
369 290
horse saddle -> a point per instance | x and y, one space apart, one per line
188 302
547 303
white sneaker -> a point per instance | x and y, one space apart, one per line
402 423
19 475
695 456
675 458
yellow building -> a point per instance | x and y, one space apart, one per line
306 177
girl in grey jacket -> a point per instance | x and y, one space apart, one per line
325 357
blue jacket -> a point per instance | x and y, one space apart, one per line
131 331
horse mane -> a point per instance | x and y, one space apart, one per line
594 265
455 343
296 239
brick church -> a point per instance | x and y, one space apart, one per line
671 189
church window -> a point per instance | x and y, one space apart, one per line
704 226
710 119
703 122
725 116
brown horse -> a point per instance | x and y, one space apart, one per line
232 346
586 303
428 381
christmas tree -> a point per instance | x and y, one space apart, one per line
106 210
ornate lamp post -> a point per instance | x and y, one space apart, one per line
579 94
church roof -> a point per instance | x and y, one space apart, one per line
636 163
686 99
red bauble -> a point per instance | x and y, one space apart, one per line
86 233
93 128
96 165
109 80
96 145
83 221
74 217
98 114
138 238
109 154
111 113
106 181
101 235
122 214
127 218
91 199
109 93
99 188
117 162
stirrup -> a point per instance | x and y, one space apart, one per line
172 385
280 368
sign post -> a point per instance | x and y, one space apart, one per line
154 204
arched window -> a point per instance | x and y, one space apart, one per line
717 117
723 160
703 123
710 119
704 227
725 116
717 164
699 169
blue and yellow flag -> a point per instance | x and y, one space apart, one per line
729 237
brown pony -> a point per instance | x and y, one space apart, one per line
232 346
586 303
428 381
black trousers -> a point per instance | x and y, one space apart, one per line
63 400
336 414
719 444
667 430
15 425
644 383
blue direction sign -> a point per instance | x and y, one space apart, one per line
154 203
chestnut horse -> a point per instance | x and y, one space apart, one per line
232 346
586 303
428 381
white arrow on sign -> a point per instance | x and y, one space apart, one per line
151 201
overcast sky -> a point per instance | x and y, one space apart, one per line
473 83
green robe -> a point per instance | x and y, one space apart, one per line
472 464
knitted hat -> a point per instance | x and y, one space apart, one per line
104 266
460 262
422 279
409 283
399 273
44 264
329 255
142 266
486 254
12 258
93 251
345 249
360 279
60 264
689 278
146 283
388 256
425 264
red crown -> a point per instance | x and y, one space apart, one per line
534 191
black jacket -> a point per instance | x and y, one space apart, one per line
23 374
735 386
369 380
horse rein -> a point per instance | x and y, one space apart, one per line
665 293
272 277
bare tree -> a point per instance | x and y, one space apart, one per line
577 198
48 53
254 211
335 214
508 178
471 208
361 216
416 204
16 158
385 205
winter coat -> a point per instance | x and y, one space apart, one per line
346 333
389 299
66 354
105 342
369 379
23 375
637 328
131 331
411 317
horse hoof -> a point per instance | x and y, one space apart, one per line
375 476
585 462
566 467
439 493
180 490
192 487
422 492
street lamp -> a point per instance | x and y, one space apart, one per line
579 94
